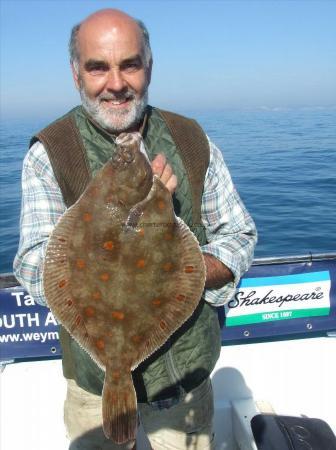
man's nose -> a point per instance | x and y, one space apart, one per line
115 81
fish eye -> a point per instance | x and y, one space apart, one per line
127 155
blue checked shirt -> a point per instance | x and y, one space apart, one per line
230 230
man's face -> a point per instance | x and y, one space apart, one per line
112 76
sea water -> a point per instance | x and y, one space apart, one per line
283 164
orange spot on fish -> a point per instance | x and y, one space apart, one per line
104 276
62 283
140 263
108 245
116 375
100 344
156 302
161 204
69 302
80 263
61 239
168 267
136 339
87 217
89 311
180 297
189 269
96 295
118 315
163 325
168 236
141 232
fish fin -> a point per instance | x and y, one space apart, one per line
190 281
192 276
57 284
119 409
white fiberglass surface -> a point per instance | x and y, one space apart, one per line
294 377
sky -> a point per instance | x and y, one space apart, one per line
207 54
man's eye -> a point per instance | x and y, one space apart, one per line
132 66
97 70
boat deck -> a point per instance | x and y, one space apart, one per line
294 377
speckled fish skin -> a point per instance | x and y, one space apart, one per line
121 274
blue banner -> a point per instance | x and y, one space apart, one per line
27 330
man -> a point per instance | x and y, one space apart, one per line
111 63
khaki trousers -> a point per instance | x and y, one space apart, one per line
187 425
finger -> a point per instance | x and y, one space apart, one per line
158 164
171 184
164 171
166 174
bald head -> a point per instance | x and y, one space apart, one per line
112 20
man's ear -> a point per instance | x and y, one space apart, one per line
75 74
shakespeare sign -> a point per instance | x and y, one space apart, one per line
284 297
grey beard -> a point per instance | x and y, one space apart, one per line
115 121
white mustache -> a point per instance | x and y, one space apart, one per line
123 97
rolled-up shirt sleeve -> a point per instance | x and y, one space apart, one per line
230 230
42 206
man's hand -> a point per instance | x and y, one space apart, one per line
164 171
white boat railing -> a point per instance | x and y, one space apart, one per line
308 258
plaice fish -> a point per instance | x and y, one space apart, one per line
122 273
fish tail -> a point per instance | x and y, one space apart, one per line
120 410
